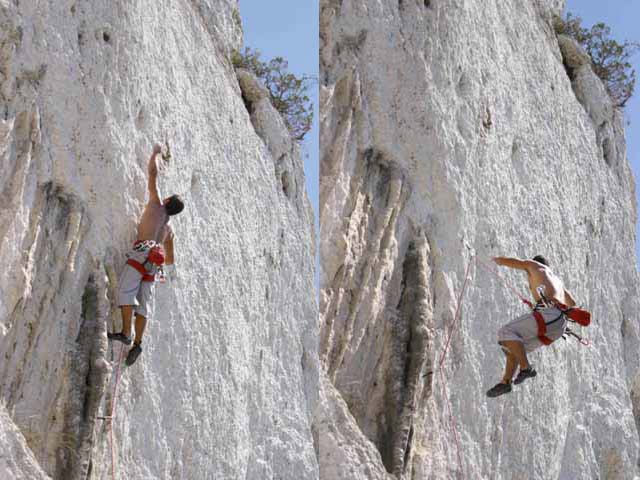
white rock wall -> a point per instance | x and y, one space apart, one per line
16 461
451 129
228 379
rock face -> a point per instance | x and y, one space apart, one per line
228 379
17 461
453 131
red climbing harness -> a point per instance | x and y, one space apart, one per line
542 328
156 256
574 314
146 276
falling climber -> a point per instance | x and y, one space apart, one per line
545 323
146 258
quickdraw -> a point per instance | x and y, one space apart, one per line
582 340
144 245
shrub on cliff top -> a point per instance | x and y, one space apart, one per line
609 59
288 92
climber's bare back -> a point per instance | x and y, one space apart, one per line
540 275
152 223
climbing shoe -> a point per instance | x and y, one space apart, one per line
524 374
499 389
133 354
120 337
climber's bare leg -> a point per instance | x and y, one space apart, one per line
141 323
510 368
127 312
516 349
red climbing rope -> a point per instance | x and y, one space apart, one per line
452 421
491 269
582 340
445 395
456 315
114 399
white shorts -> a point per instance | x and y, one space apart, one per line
525 328
132 290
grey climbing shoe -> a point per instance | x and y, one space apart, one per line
133 354
120 337
499 389
524 374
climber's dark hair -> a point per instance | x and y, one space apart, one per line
540 259
174 205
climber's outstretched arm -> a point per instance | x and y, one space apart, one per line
515 263
154 195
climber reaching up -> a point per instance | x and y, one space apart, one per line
546 323
136 286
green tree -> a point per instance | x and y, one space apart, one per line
288 92
610 60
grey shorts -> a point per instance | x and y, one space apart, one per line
525 328
132 290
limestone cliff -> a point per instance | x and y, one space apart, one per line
453 131
228 379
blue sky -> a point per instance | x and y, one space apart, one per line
289 28
622 16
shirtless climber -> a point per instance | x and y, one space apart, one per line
147 256
522 335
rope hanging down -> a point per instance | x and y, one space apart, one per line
445 350
111 415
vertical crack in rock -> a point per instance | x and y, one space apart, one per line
377 196
414 357
87 381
